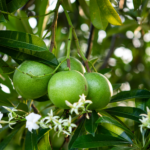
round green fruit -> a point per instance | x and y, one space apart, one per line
66 85
100 90
56 142
31 87
75 64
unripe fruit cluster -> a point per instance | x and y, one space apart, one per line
63 85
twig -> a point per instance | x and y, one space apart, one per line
111 50
35 109
90 42
27 5
54 24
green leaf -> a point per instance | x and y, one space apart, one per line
23 109
100 140
5 102
22 55
85 8
106 70
22 40
31 141
44 143
41 133
96 15
136 4
122 148
126 112
42 99
77 133
109 12
3 7
92 62
13 5
6 68
130 94
105 119
67 4
116 86
42 21
90 124
5 142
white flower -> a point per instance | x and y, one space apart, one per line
42 124
32 121
68 124
82 97
74 107
1 116
145 120
50 117
58 124
63 131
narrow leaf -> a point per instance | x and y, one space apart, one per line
136 4
109 12
100 140
76 134
41 133
67 4
3 7
22 55
90 124
130 94
22 40
126 112
31 141
97 17
116 86
106 70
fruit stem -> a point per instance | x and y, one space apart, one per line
76 38
33 76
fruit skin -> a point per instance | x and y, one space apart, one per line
66 85
75 64
56 142
100 90
31 88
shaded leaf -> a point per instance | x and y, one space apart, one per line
116 86
76 134
130 94
126 112
44 143
105 119
22 55
106 70
41 133
5 102
67 4
3 7
96 15
136 4
90 124
109 12
31 141
100 140
42 99
13 5
22 40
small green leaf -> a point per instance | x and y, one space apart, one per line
106 70
90 124
100 140
116 86
44 143
92 62
109 12
22 55
41 133
126 112
31 141
130 94
97 17
136 4
67 4
5 142
5 102
16 39
77 133
13 5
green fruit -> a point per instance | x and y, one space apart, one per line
56 142
75 64
100 90
66 85
31 87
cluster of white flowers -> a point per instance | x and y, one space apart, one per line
145 120
79 107
34 121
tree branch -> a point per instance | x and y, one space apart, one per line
35 109
90 42
111 50
54 25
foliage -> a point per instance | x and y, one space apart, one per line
109 36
